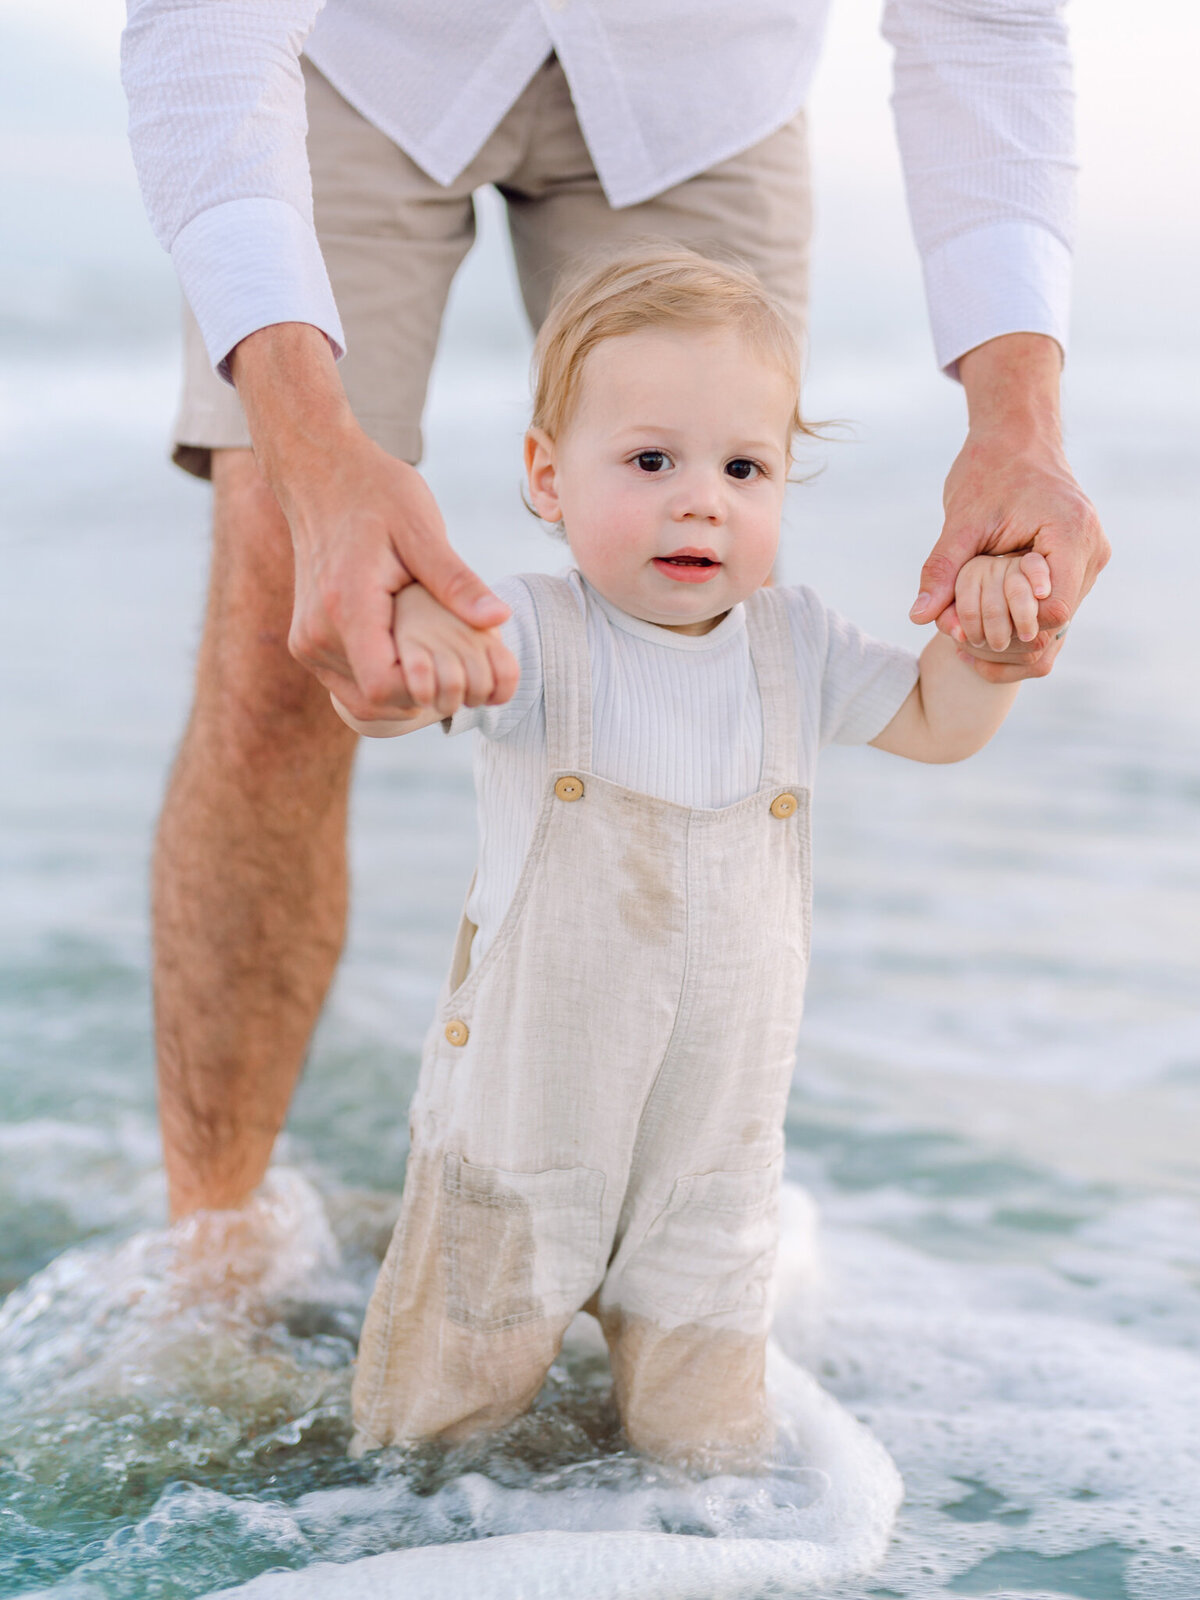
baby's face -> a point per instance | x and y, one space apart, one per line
669 479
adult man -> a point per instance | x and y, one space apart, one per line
595 125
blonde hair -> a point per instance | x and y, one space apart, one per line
652 286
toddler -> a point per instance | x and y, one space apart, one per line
599 1119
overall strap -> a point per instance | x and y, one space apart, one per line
773 654
566 672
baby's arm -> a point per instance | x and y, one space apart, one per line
952 712
446 664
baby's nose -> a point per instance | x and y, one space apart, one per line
701 500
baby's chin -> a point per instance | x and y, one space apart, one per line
690 611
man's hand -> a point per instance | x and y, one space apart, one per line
363 524
1010 490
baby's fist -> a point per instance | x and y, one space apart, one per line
446 662
997 596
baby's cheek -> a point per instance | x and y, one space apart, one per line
754 553
611 544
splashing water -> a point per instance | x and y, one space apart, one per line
125 1370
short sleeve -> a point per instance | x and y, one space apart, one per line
520 634
862 681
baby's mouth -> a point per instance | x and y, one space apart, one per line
688 566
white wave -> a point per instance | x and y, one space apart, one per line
177 1348
1037 1417
828 1507
847 1525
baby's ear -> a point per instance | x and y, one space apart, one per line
541 475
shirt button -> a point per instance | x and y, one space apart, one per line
457 1032
784 805
569 788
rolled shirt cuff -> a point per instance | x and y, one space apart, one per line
247 264
1010 277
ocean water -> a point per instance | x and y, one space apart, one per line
989 1296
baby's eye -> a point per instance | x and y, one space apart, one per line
742 468
652 460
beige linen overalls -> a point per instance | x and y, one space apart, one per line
599 1118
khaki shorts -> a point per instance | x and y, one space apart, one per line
393 240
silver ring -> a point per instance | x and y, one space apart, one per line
1061 632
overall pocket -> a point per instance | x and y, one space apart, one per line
519 1245
712 1250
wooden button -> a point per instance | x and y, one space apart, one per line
784 805
569 788
457 1032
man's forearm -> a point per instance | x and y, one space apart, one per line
295 405
1012 385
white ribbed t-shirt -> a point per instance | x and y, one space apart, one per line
674 715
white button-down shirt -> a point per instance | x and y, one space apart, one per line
663 89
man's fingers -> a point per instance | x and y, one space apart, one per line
1076 551
998 671
952 552
451 582
937 587
1018 652
420 543
1067 565
315 645
1036 663
950 623
371 655
346 691
345 713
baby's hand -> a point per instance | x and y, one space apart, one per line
446 662
996 596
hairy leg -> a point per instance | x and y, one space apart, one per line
249 874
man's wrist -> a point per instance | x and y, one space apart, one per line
296 408
1012 386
